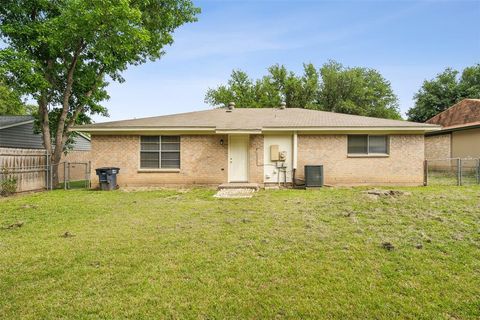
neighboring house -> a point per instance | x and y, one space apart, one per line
22 150
240 145
18 132
460 134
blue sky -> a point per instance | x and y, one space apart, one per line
407 41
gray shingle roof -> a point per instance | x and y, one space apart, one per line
256 119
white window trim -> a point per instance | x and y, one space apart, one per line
368 154
142 170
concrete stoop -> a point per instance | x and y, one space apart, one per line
237 190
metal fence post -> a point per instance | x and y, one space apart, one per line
459 172
425 172
90 174
51 171
478 171
64 176
47 178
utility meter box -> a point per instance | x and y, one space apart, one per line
282 156
274 152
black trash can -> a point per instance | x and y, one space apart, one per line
107 177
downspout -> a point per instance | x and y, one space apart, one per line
295 143
294 164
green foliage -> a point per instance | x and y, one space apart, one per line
11 103
446 89
8 184
60 53
356 90
334 88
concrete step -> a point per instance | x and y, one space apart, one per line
239 185
231 193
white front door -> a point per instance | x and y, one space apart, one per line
238 158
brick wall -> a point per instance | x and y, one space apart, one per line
404 165
438 146
255 157
203 161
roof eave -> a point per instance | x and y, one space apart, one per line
450 130
143 130
383 129
213 130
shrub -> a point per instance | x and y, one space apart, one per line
8 184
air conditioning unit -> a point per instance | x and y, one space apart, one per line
314 176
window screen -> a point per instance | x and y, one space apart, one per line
158 152
358 144
365 144
377 144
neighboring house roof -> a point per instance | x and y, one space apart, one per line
461 116
461 113
255 119
18 132
12 121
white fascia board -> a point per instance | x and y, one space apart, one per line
229 131
355 129
140 130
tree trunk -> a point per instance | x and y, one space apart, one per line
56 158
47 139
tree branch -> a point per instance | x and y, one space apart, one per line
43 111
59 141
81 107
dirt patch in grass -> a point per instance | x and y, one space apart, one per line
379 193
15 225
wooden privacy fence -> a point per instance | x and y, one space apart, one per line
28 166
32 170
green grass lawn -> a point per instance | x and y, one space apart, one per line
282 254
77 184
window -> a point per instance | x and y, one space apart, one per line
160 152
365 144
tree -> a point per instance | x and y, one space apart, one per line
11 103
359 91
269 91
335 88
446 89
61 53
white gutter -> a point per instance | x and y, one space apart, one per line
348 129
229 131
253 131
146 129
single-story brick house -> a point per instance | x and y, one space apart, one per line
460 133
229 145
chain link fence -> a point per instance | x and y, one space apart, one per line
452 171
74 175
25 170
